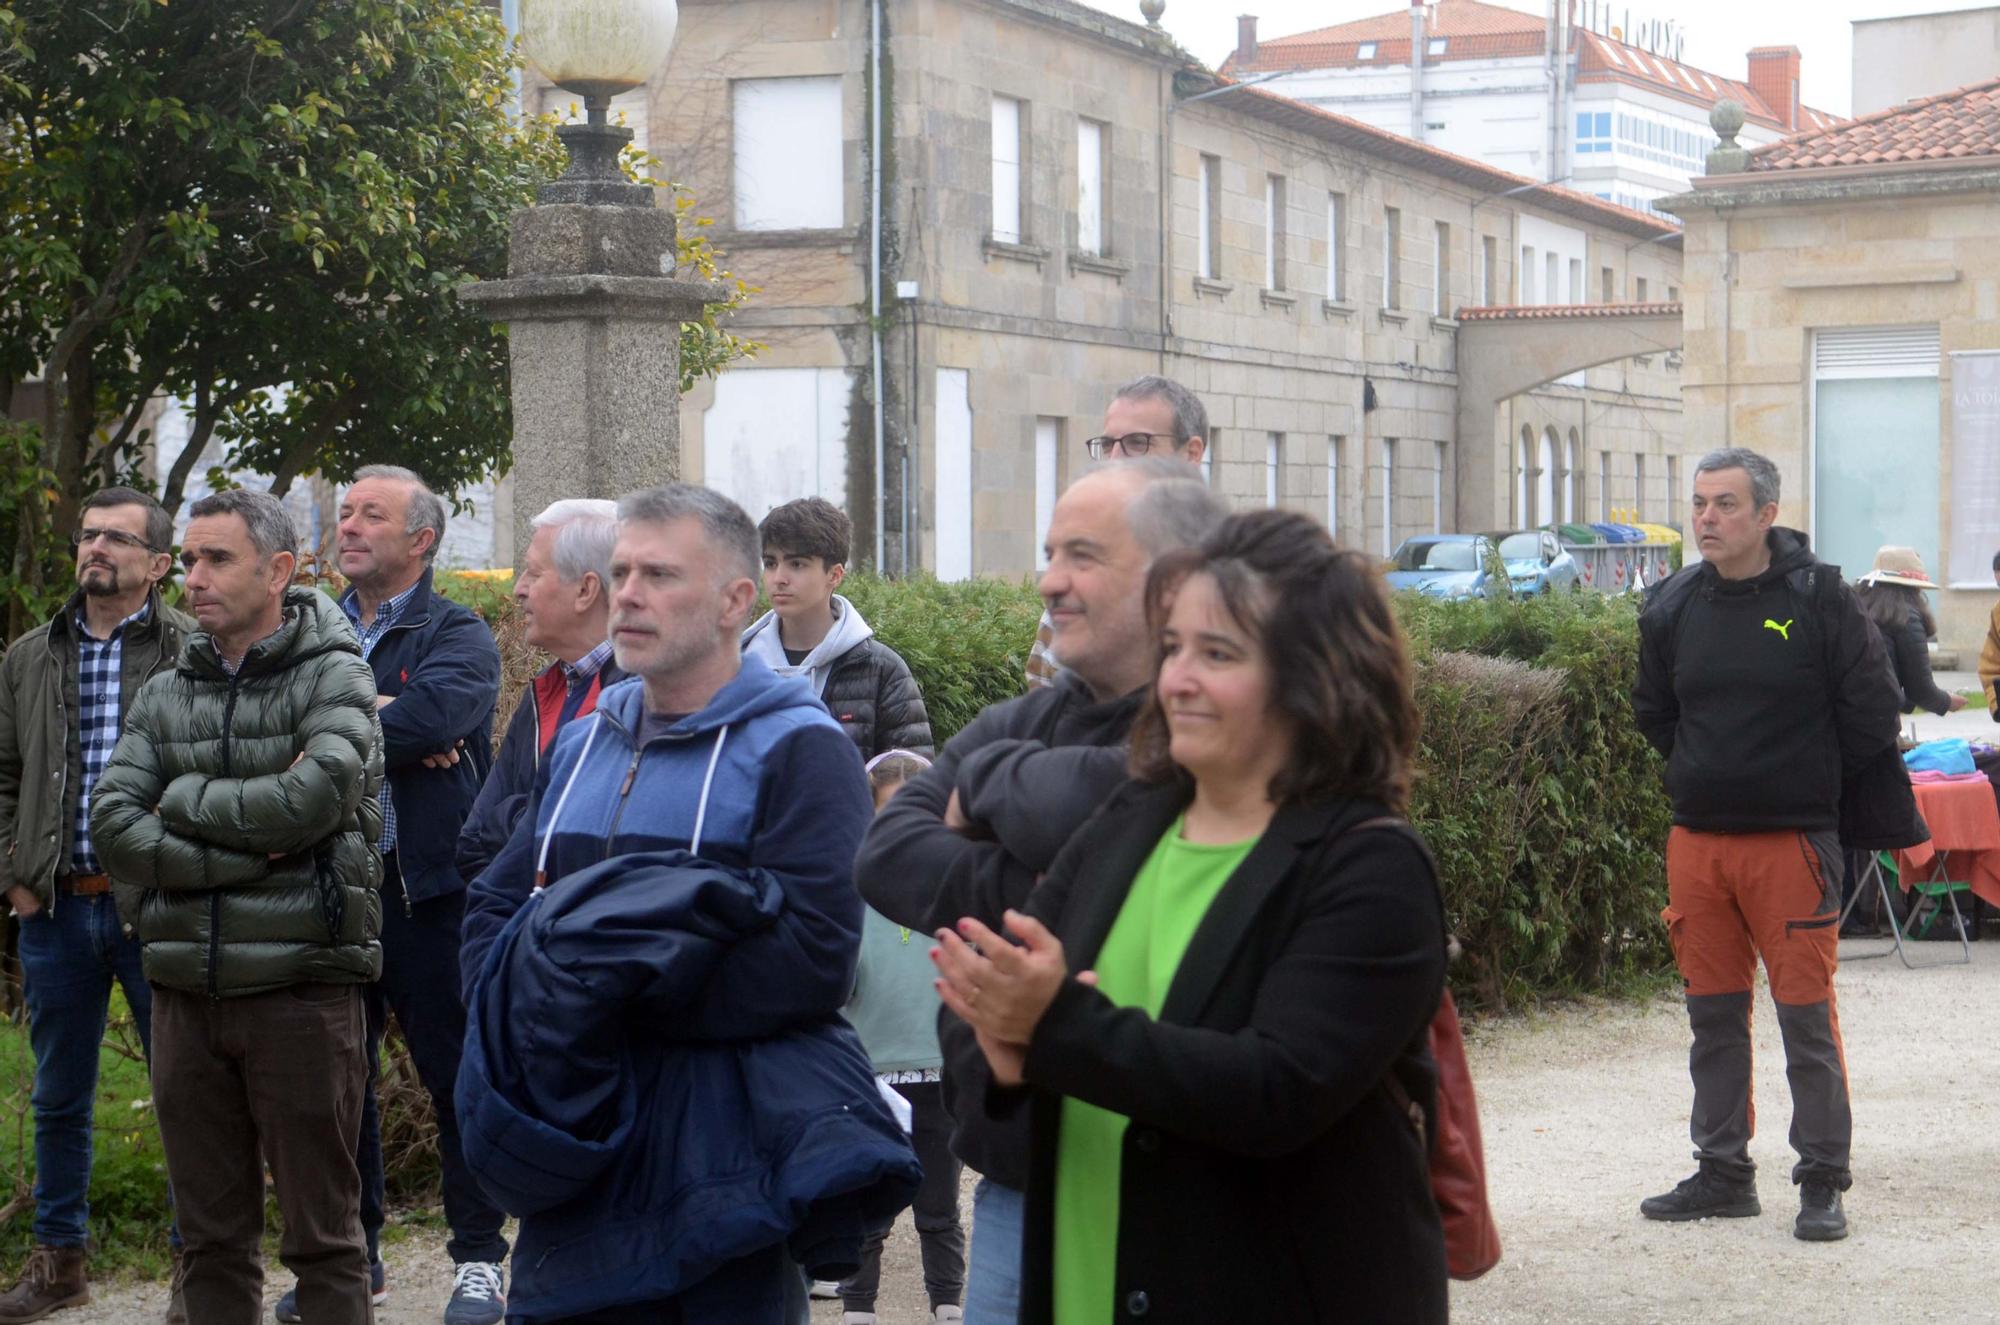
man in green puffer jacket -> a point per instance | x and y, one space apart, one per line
237 820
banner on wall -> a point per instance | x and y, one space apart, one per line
1975 468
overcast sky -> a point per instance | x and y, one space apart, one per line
1719 32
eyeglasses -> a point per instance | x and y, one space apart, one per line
1131 444
118 537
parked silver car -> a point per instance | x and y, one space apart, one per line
1536 561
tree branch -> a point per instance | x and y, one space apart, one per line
104 454
131 248
296 456
205 416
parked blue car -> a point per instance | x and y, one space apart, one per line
1441 565
1536 561
1454 565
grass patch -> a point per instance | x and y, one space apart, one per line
128 1177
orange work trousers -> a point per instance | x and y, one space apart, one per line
1732 898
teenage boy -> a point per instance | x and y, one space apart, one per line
814 633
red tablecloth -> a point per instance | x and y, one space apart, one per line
1964 822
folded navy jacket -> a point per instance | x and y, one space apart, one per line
647 1135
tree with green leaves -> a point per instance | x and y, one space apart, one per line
262 208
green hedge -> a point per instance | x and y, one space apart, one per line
966 643
1549 836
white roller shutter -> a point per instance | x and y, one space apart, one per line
1876 352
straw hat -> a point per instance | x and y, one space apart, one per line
1899 565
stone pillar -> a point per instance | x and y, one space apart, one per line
594 314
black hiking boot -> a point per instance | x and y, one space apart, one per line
1706 1193
1820 1216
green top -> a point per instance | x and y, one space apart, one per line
1141 953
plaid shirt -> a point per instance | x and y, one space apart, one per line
98 663
370 635
578 673
1043 669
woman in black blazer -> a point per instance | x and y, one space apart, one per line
1257 947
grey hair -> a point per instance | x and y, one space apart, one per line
728 529
586 531
1190 417
426 508
271 530
1173 507
1763 474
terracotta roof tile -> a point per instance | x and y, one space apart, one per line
1963 124
1553 312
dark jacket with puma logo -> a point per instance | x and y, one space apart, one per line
1762 694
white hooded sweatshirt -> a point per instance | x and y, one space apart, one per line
849 629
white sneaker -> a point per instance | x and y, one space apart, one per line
825 1290
944 1314
477 1295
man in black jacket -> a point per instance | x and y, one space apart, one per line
437 678
967 837
813 632
1765 688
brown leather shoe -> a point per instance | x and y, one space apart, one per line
52 1279
177 1307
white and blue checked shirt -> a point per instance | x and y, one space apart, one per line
370 635
590 664
98 663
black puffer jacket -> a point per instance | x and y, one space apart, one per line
871 693
864 683
214 774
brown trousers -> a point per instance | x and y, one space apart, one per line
237 1083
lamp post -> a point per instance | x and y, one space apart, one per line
592 303
597 49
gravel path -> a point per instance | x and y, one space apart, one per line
1585 1111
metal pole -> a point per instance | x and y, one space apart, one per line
875 259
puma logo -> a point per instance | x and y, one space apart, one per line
1785 630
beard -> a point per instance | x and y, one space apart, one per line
99 581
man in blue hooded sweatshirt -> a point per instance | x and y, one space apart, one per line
709 752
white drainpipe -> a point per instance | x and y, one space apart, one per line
1417 70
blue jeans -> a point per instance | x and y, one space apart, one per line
993 1266
70 954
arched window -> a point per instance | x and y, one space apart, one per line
1573 478
1545 480
1524 464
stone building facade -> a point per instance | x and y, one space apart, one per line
1843 316
1067 202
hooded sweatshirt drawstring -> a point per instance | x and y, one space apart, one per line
707 785
555 816
549 835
